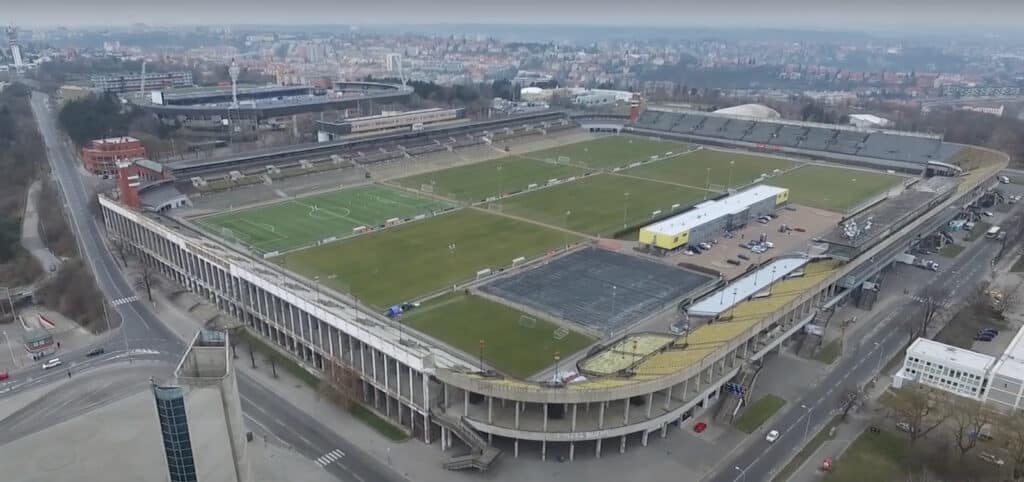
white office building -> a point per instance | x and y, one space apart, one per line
1006 384
956 370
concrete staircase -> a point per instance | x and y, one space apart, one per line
731 404
811 341
481 455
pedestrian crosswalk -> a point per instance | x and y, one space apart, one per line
922 300
124 301
330 458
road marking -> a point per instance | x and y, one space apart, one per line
329 458
124 301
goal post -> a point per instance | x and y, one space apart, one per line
564 159
527 321
427 188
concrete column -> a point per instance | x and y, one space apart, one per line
625 412
600 415
545 426
573 423
517 416
650 403
668 397
643 440
490 409
465 406
412 397
597 449
387 386
398 390
376 393
572 451
544 449
515 448
444 395
444 439
664 430
426 410
622 445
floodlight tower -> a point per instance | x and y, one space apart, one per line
233 71
142 80
12 40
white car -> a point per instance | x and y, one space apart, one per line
52 363
772 436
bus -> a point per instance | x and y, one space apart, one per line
992 232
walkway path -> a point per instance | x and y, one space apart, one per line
30 232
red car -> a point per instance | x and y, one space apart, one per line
4 376
700 427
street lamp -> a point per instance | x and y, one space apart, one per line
482 345
707 184
625 208
743 473
567 213
7 339
558 356
316 282
849 197
878 366
807 427
731 164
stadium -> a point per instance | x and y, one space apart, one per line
533 284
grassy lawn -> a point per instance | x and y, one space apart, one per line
1018 266
873 456
808 450
830 352
405 262
692 169
513 345
382 426
833 188
598 204
476 182
303 221
282 361
609 152
979 230
757 413
951 250
960 331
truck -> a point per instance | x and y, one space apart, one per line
1004 179
912 260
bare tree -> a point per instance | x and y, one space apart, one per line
967 418
1011 430
922 408
147 277
932 303
341 384
121 249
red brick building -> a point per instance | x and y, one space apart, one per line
101 155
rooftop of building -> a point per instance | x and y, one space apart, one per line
114 140
714 209
1011 362
933 350
751 110
748 285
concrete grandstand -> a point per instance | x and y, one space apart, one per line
635 382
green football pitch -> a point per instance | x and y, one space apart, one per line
833 188
514 343
707 166
609 152
476 182
304 221
601 204
408 261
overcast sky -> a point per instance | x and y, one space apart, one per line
809 14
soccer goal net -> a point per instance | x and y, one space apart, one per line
563 159
527 321
428 188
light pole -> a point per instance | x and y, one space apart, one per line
743 473
849 198
707 183
482 345
499 181
316 282
807 427
567 213
878 366
558 356
729 186
625 208
7 339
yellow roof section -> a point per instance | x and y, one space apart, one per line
625 353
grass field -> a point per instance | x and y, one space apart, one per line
475 182
833 188
303 221
407 261
692 169
873 456
518 348
597 204
609 152
759 412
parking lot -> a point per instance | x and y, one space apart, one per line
805 223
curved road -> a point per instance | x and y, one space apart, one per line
150 338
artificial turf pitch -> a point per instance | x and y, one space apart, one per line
705 167
414 259
304 221
476 182
514 343
609 152
600 205
833 188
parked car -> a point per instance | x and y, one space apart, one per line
705 246
96 351
991 331
700 427
990 458
772 436
679 327
905 426
4 376
54 362
982 337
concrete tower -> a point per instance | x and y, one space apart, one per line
12 40
233 71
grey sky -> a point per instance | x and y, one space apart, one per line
813 14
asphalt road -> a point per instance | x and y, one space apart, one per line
760 460
149 338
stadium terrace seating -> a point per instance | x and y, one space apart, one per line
762 133
902 148
736 129
817 139
847 142
688 123
712 126
789 136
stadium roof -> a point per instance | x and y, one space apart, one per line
749 285
757 111
711 210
